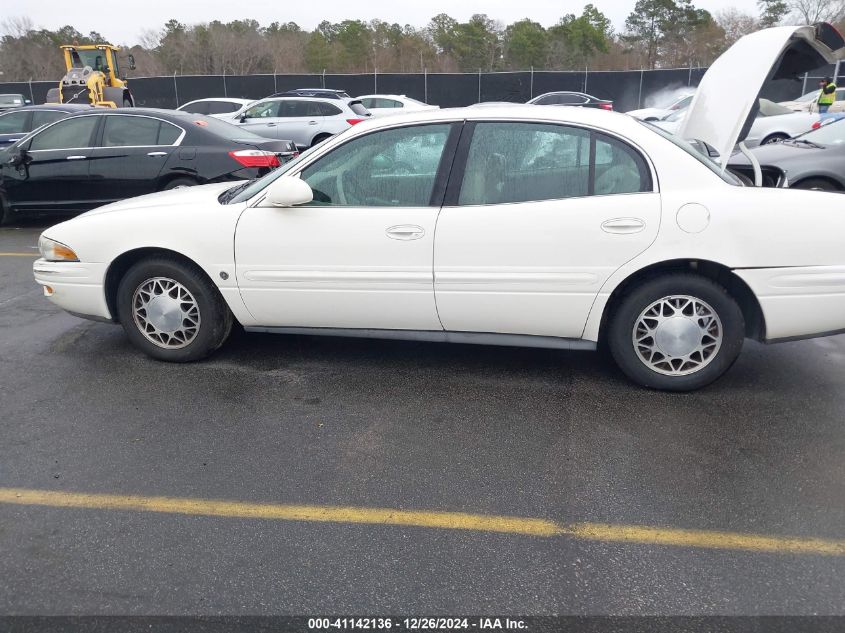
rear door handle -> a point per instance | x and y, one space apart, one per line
623 225
405 232
77 157
157 154
271 125
312 123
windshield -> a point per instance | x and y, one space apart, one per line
769 108
697 155
11 100
810 96
677 116
96 59
830 134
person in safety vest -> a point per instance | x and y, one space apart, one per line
827 95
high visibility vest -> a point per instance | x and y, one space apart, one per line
828 99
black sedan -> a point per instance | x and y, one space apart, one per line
578 99
814 160
17 123
93 158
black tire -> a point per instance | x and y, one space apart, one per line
319 139
774 138
6 215
817 184
179 183
626 315
214 322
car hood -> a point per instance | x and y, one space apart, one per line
726 102
173 198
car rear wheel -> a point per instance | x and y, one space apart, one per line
319 139
678 332
179 183
171 311
816 184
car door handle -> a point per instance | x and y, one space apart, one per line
405 232
77 157
271 125
623 225
157 154
312 123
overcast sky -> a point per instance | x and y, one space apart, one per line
123 22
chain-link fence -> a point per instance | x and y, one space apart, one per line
629 89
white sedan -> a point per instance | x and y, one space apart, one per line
385 105
543 226
772 124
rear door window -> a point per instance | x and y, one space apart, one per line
526 162
137 131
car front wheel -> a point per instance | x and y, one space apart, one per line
678 332
171 311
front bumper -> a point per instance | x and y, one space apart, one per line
77 287
799 302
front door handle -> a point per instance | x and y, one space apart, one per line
157 154
623 225
405 232
271 125
77 157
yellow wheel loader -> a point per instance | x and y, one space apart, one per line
93 77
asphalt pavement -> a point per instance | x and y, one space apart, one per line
331 422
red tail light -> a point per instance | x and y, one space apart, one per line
255 158
606 106
354 121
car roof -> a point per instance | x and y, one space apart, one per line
590 117
309 98
227 99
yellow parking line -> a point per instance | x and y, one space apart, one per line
20 255
643 535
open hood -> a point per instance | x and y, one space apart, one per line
726 102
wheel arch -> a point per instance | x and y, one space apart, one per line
827 178
123 262
755 325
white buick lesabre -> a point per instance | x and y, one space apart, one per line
508 225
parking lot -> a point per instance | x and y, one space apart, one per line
292 475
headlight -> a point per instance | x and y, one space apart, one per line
54 251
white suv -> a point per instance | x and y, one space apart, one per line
304 120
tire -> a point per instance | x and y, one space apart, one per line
179 183
774 138
206 319
817 184
319 139
6 215
666 304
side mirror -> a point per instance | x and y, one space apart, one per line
21 157
243 118
287 191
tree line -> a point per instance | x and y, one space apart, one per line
657 34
